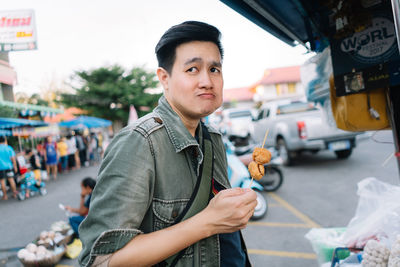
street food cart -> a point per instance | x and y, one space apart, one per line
362 38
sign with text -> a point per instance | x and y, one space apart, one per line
368 59
17 30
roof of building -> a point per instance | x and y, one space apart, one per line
238 94
281 75
68 114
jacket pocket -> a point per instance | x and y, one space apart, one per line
166 212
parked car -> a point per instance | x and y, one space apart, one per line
235 125
295 127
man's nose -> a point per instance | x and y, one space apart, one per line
205 80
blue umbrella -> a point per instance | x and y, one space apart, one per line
86 121
7 123
5 133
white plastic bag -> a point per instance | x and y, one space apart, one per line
377 215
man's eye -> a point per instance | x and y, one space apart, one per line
192 69
215 70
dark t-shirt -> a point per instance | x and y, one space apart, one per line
232 254
87 202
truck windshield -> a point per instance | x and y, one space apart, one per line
295 107
239 114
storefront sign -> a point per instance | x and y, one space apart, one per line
368 59
17 30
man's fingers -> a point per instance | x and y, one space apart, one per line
233 192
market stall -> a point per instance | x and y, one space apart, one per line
355 74
362 38
20 128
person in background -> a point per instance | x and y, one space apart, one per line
51 157
62 148
87 186
41 151
93 149
8 167
100 144
81 146
76 155
71 143
35 165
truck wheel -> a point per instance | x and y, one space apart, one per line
343 154
284 153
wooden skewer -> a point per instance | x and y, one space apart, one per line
265 138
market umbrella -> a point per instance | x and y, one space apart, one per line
8 123
86 121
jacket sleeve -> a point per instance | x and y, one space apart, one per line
121 196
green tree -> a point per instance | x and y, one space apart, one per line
34 99
108 92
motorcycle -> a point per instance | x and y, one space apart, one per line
239 176
273 177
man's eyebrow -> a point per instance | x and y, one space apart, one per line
190 61
198 59
216 64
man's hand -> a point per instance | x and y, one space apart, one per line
230 210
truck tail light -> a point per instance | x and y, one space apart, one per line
301 128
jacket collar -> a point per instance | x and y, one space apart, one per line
176 130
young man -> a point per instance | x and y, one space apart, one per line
151 169
8 167
87 186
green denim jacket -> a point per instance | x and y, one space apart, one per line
145 181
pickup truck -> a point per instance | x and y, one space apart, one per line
297 127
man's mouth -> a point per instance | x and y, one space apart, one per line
207 95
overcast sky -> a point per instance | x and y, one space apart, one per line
86 34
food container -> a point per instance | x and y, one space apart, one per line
57 254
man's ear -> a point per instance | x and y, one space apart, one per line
163 77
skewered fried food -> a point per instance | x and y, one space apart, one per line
256 170
261 155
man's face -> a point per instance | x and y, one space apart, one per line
194 87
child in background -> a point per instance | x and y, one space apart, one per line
87 186
34 161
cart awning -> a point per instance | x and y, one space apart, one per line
8 123
85 121
292 21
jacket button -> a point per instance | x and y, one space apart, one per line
158 120
174 214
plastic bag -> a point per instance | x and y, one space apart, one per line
324 241
377 215
315 73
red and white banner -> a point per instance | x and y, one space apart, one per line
17 30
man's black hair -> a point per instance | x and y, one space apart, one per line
185 32
89 181
2 138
